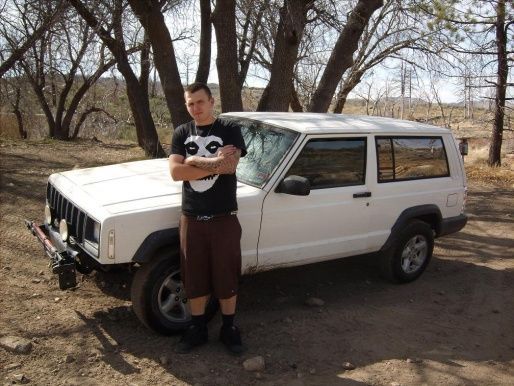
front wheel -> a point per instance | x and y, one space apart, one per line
158 296
410 255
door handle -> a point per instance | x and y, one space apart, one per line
362 194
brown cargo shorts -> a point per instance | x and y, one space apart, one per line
210 255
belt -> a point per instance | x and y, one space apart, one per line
204 217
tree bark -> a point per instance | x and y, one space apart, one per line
277 94
501 87
19 116
224 20
348 85
204 61
151 18
342 54
144 75
296 105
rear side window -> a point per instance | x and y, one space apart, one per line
409 158
329 163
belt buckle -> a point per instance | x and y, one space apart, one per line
203 218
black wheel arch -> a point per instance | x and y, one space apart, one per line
429 213
154 242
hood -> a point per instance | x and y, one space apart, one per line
130 186
126 187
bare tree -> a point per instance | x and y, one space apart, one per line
387 35
150 15
480 32
61 85
342 54
111 34
20 38
250 18
12 91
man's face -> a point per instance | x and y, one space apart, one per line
200 106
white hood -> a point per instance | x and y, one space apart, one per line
126 187
130 186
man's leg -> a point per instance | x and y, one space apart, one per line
195 276
226 272
197 305
228 306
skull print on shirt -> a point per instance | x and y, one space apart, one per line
203 147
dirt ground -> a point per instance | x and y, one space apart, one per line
453 326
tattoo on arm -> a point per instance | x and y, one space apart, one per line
216 165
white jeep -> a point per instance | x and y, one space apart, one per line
312 187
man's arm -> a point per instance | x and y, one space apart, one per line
181 171
224 163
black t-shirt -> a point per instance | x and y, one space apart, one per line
213 194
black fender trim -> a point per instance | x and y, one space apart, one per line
453 224
154 242
429 213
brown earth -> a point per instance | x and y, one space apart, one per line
453 326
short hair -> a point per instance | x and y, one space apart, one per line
197 86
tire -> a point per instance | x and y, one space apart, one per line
409 256
158 296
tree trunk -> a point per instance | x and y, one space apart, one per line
224 20
151 18
204 61
249 38
19 116
277 94
296 105
348 85
144 75
342 54
501 87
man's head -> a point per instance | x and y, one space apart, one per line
200 103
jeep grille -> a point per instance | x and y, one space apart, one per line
79 223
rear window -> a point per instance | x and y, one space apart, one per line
410 158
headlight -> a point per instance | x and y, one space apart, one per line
48 215
63 229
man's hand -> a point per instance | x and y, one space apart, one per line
225 162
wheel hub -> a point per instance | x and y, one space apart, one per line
172 300
414 254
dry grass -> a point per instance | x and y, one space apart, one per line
478 170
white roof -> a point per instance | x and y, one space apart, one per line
319 123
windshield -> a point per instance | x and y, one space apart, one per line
266 146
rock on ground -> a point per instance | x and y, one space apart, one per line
254 364
16 344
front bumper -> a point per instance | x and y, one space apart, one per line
62 259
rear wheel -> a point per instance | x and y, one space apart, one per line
158 296
410 255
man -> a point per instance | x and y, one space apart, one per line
204 155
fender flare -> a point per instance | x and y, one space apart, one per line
153 242
420 212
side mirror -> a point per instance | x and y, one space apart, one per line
296 185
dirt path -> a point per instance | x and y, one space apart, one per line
454 326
